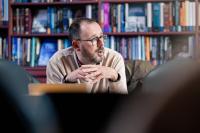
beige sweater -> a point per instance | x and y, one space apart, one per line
64 62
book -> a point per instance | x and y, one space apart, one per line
106 24
156 11
135 17
48 48
40 21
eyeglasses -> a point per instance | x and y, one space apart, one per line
96 40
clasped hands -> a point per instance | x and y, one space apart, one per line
92 73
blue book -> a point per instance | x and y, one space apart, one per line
133 48
65 19
122 17
156 16
14 50
67 43
48 48
142 48
33 46
107 42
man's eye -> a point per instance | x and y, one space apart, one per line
95 39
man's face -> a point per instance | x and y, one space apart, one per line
91 43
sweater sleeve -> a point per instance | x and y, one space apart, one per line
119 86
53 73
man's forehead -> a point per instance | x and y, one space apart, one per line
90 28
88 24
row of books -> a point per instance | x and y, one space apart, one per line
49 20
3 47
151 16
34 51
155 49
3 11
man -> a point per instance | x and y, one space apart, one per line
87 61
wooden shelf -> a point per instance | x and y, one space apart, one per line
135 1
3 25
60 35
149 33
46 4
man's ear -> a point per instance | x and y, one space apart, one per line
75 45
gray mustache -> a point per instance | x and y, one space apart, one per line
101 49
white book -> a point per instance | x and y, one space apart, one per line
112 42
187 12
162 15
199 13
149 15
190 15
5 15
119 18
102 15
60 44
88 11
38 44
28 58
193 14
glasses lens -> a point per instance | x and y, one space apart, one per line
95 41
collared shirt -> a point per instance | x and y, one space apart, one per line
65 61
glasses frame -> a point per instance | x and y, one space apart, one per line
103 37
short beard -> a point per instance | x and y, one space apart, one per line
93 59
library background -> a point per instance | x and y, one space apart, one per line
152 30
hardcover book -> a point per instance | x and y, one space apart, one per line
40 22
135 17
48 48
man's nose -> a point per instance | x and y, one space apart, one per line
100 43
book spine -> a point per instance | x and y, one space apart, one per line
149 16
156 16
33 49
65 19
122 17
17 20
106 25
88 12
27 21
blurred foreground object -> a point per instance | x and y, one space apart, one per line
167 102
19 112
36 89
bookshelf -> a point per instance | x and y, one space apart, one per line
73 5
3 29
